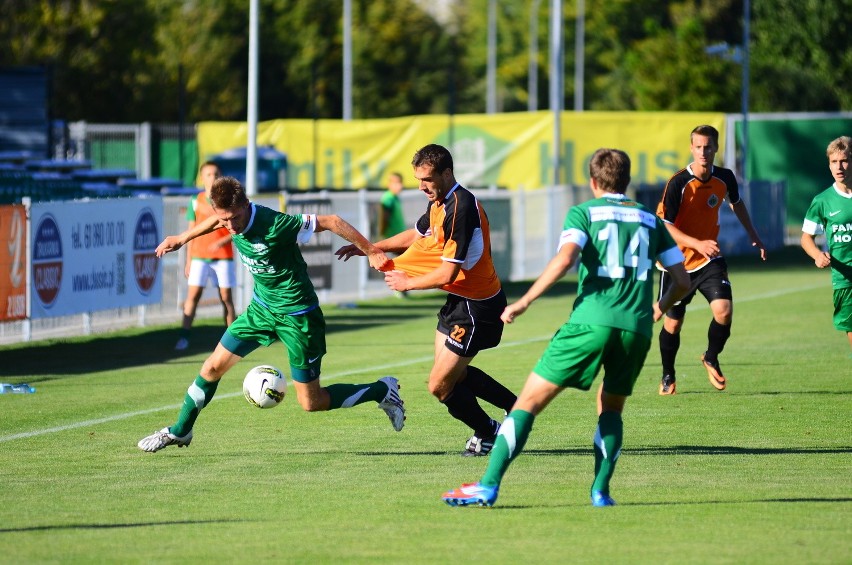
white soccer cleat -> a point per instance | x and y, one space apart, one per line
392 403
163 438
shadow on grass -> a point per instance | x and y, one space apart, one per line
806 499
59 358
669 450
55 527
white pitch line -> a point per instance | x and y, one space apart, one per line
373 369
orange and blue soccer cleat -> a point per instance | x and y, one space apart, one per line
470 494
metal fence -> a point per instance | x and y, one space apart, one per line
525 227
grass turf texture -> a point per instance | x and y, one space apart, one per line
759 473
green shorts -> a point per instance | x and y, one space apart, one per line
577 352
843 309
303 335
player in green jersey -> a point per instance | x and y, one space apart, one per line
615 242
830 214
284 307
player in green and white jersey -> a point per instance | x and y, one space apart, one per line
616 241
284 307
830 214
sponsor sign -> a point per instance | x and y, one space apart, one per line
94 255
13 263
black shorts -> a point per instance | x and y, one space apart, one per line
710 280
472 325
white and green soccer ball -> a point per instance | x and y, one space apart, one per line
265 386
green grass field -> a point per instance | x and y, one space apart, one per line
759 473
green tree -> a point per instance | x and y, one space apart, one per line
203 42
662 64
101 58
404 61
801 60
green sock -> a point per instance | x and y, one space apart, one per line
347 396
608 438
513 434
198 395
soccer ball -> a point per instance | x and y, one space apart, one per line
265 386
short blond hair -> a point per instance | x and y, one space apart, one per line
842 144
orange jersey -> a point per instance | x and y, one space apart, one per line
203 247
693 207
455 230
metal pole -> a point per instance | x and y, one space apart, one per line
347 60
579 56
491 71
556 81
532 75
251 142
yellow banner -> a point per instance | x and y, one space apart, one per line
511 150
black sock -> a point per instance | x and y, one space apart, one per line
717 337
462 405
484 386
669 344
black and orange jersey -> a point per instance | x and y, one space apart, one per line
454 230
693 206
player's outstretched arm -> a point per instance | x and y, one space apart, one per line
396 244
344 229
555 270
821 258
175 242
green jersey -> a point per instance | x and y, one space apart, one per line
268 249
830 213
394 221
619 239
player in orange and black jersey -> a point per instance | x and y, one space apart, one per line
450 249
690 207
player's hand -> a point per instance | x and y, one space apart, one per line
657 312
708 248
348 251
397 280
823 261
171 243
512 311
759 244
378 260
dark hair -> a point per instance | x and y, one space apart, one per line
435 156
708 131
228 194
611 170
209 164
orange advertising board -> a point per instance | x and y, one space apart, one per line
13 263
